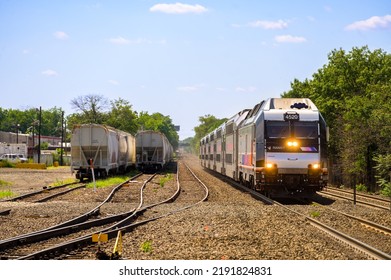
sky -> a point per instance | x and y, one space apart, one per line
184 59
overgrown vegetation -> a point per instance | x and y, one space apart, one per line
146 246
7 191
361 188
352 92
165 179
63 182
315 214
7 164
383 171
111 181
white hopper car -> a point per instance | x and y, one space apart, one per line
153 150
105 149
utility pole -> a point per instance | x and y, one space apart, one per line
62 138
39 134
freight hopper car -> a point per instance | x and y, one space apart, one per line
103 149
153 150
281 148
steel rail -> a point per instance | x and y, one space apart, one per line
369 250
361 246
113 230
46 198
44 189
377 226
357 201
358 194
67 225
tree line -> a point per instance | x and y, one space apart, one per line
353 93
90 108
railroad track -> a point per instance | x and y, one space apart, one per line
361 246
81 222
364 199
47 193
124 225
367 236
188 195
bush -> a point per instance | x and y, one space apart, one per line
6 163
383 170
361 188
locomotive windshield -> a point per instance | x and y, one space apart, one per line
305 129
276 129
286 129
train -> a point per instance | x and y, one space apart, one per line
99 150
279 148
153 150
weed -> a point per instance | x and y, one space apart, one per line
6 163
146 246
361 188
315 214
108 182
4 183
6 193
63 182
165 179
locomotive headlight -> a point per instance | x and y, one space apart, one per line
292 143
269 165
314 166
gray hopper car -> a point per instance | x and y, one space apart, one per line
153 150
105 149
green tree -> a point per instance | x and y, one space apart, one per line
159 122
353 93
122 110
208 124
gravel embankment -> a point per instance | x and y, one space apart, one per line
230 225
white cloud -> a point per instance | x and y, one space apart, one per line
289 39
119 41
114 82
265 24
178 8
61 35
123 41
246 89
371 23
188 88
328 9
49 72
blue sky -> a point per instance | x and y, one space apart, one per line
184 58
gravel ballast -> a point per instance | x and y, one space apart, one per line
229 225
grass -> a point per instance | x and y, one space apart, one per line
4 183
6 193
63 182
102 183
165 179
6 163
315 214
146 246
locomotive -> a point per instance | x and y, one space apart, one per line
279 147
